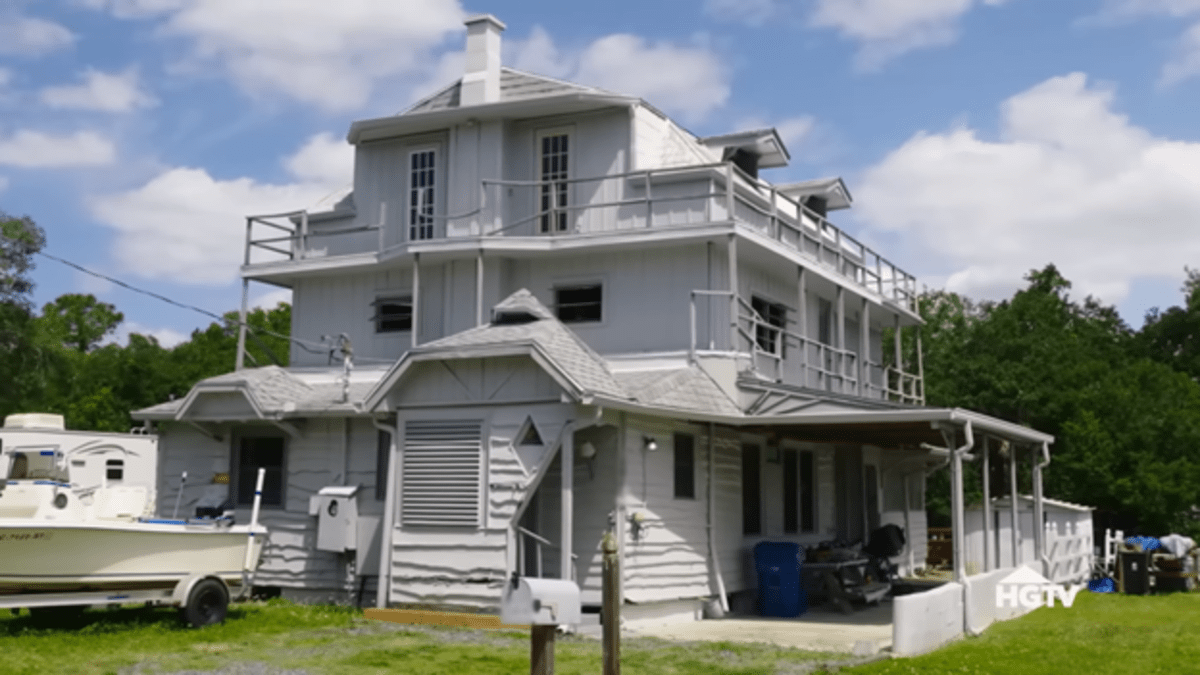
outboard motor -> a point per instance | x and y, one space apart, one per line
884 543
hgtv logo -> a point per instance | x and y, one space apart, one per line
1030 590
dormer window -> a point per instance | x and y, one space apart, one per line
421 193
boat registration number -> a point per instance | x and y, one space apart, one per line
23 536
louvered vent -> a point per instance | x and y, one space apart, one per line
441 480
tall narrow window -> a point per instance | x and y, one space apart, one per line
808 492
421 194
685 466
751 515
791 500
824 321
772 320
266 452
553 175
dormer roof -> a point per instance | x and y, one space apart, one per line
765 144
833 190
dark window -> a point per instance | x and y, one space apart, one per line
685 466
791 502
808 506
746 161
421 194
579 304
769 337
529 434
383 453
393 315
751 517
824 321
818 205
871 487
554 187
260 452
114 469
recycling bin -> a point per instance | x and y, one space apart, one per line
780 592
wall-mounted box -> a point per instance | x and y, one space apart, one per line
336 509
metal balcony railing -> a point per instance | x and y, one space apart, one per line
620 202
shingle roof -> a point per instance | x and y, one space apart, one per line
578 362
686 388
515 85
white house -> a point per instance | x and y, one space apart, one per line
569 314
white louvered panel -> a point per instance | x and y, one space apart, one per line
442 473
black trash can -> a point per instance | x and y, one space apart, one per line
779 590
1135 572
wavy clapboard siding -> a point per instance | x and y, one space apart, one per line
447 567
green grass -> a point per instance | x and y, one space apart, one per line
288 638
1100 633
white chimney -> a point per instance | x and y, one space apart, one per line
481 81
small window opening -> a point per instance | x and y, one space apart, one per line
579 304
529 434
393 315
114 469
685 466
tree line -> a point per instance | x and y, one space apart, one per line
1123 404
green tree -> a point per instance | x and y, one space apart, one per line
80 321
24 361
1173 337
20 240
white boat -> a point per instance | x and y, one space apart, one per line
77 514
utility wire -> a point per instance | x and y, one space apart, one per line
311 347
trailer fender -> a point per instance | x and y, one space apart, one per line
183 589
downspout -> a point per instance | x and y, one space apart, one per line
389 520
712 530
1039 528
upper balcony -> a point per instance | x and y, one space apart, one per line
648 202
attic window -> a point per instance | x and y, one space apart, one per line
393 315
579 304
529 434
746 161
818 205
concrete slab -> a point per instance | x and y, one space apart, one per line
865 632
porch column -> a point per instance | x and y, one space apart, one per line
1039 527
802 324
987 506
899 368
908 524
568 502
383 592
416 298
1012 497
864 349
479 289
733 289
841 339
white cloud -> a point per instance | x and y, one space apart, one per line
30 36
329 54
167 337
886 29
115 92
271 299
189 227
36 150
1069 182
687 81
3 183
1185 62
750 12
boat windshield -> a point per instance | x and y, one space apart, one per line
31 464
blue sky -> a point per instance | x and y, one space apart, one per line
980 138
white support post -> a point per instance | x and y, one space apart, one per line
841 339
864 350
899 369
987 506
241 343
568 503
802 321
733 289
382 593
479 289
1039 526
1013 497
416 298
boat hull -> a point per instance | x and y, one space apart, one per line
61 556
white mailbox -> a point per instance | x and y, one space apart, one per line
336 509
540 601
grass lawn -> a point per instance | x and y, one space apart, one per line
1100 633
278 638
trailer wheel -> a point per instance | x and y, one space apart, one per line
207 604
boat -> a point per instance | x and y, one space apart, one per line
77 514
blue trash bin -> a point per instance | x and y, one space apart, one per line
779 589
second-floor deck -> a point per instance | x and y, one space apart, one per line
615 204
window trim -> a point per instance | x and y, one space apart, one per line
393 299
580 285
562 211
690 464
235 471
410 212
